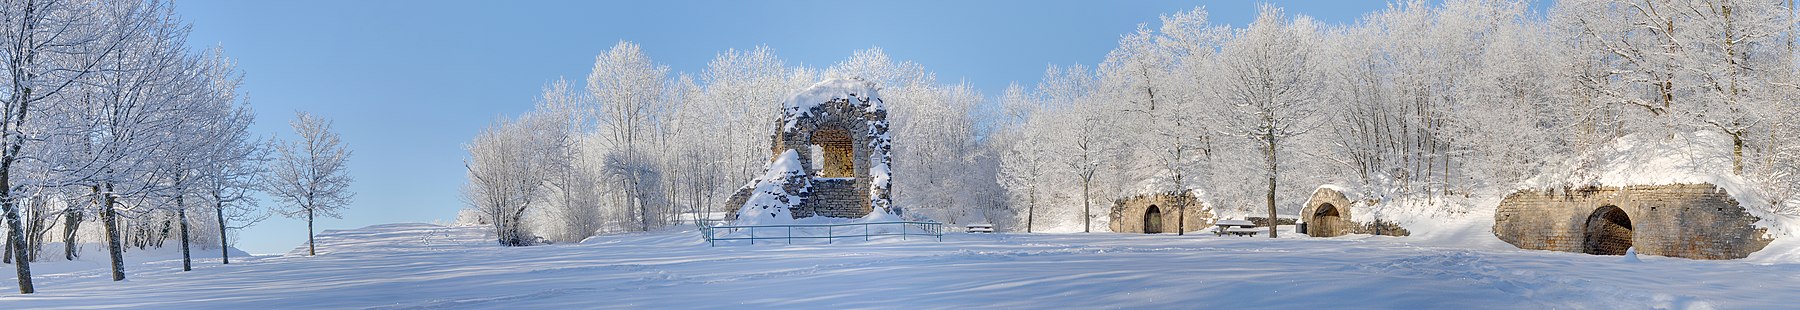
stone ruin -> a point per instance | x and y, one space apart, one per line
1160 213
837 131
1700 221
1327 214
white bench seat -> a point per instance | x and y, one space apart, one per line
981 228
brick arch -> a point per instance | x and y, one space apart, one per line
1607 231
1153 220
1325 221
838 127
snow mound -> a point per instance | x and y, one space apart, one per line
770 200
1650 159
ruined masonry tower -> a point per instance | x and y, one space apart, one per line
838 132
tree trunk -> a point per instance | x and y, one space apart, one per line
14 236
1737 153
1180 217
10 209
1272 174
1031 210
1181 203
224 247
310 249
637 198
187 260
72 217
110 218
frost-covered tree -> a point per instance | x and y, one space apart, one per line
1270 75
228 158
50 47
1023 161
631 104
509 169
311 175
1150 79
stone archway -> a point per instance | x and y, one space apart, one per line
1153 220
1326 222
833 155
1608 232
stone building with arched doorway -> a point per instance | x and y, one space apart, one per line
838 130
1327 214
1160 213
1699 221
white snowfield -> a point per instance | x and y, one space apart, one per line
419 266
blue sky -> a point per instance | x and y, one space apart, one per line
408 82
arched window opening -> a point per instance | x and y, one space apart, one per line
1153 220
832 153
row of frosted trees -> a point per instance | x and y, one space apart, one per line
638 149
116 132
1423 105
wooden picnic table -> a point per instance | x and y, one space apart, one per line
1236 228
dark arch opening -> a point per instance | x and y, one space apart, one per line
1326 221
1153 220
1608 232
834 153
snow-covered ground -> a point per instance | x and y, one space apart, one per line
419 266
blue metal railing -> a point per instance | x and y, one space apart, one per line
831 232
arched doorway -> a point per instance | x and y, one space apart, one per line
1326 222
1153 220
1608 232
832 156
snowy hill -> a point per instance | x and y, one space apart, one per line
419 266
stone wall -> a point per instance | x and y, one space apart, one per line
1263 221
1698 221
1327 214
1128 214
835 198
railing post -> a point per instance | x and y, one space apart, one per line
790 235
829 231
902 231
865 231
752 235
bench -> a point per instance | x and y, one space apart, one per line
1235 228
981 228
